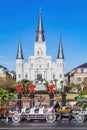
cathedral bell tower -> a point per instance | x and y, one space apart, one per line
19 63
60 63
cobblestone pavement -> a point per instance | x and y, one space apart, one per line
43 125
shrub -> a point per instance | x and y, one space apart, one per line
83 93
41 92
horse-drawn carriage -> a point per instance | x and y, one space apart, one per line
4 113
50 114
81 114
34 114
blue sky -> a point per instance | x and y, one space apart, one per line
19 19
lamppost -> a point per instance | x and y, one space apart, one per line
63 94
55 80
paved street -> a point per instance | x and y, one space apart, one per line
43 125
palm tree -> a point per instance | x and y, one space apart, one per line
25 83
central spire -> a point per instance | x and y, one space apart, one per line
40 31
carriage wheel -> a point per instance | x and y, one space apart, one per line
80 118
50 117
15 118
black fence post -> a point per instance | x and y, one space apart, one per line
63 99
63 94
19 102
32 100
51 96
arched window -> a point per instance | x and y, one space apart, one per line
19 75
60 75
41 53
53 76
47 65
25 76
38 53
39 66
31 65
60 64
79 79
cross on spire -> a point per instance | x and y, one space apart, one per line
40 32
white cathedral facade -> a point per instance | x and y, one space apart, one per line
40 66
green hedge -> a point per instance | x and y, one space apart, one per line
45 92
41 92
83 93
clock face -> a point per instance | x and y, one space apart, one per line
39 60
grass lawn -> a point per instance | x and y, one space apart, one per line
69 96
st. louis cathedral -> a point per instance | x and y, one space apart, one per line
40 66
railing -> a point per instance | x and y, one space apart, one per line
11 104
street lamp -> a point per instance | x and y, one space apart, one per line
55 80
63 94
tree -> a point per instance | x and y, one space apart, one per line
84 81
25 83
68 87
7 83
5 96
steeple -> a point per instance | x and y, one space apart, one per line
40 32
60 50
19 52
